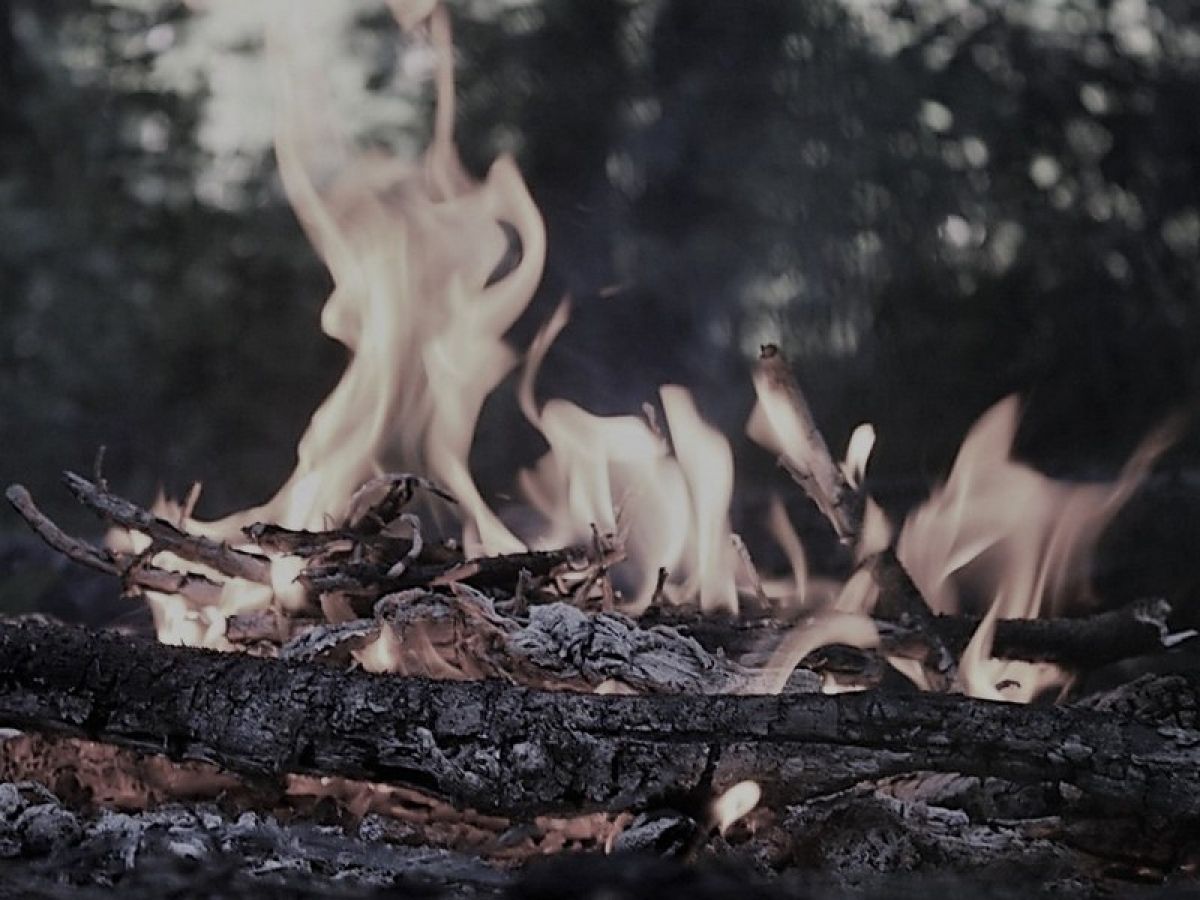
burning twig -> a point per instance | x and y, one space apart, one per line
1080 644
381 500
807 458
372 581
414 551
165 536
133 570
804 453
743 553
900 600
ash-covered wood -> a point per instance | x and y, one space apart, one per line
49 850
496 747
462 636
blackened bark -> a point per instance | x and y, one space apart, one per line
497 747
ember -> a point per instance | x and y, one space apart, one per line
621 576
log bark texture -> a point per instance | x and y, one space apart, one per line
496 747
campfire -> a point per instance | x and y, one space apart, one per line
601 666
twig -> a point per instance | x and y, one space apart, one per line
132 570
900 600
414 551
381 500
660 585
743 553
804 453
166 536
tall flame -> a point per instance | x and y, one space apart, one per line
412 249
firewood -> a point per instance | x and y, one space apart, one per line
1081 644
900 600
371 581
496 747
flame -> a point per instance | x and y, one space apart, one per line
424 292
858 453
816 631
784 534
619 474
412 249
1015 536
735 803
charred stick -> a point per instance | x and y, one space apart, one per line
365 579
804 453
1087 642
166 536
900 600
500 748
806 456
133 570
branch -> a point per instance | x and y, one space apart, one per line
900 600
166 536
134 571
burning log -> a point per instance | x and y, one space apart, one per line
1081 644
496 747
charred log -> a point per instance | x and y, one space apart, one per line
501 748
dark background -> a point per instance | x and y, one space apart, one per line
930 204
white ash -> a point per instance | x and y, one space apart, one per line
598 647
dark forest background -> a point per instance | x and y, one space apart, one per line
931 204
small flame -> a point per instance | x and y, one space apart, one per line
780 528
736 803
1011 534
858 453
618 474
816 631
